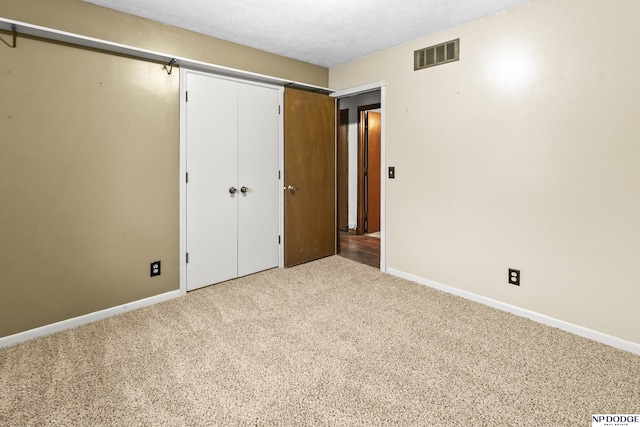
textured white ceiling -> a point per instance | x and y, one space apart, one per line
321 32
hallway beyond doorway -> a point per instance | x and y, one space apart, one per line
360 248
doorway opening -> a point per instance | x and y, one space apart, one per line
359 164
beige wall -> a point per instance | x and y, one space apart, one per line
89 155
523 154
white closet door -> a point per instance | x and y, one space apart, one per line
258 130
232 144
212 158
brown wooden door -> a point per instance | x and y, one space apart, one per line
309 170
364 188
373 172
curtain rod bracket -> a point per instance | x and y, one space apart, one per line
14 29
170 65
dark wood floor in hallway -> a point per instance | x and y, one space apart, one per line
360 248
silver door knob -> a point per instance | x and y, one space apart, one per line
291 188
232 190
244 190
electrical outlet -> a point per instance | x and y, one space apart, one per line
155 268
514 277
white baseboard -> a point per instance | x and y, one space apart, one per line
532 315
87 318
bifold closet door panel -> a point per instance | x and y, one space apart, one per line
258 138
212 158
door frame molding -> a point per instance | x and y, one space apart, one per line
357 90
183 165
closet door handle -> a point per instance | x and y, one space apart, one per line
232 190
243 190
290 188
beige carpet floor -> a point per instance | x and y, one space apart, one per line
328 343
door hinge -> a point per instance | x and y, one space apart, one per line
278 239
187 257
279 175
186 96
187 177
279 110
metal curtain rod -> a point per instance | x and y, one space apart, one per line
168 60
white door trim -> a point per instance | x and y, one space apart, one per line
183 166
372 87
182 179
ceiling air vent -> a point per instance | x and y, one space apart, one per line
436 55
